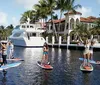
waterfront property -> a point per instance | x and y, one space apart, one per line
78 46
68 23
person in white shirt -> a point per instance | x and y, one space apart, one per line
10 50
86 53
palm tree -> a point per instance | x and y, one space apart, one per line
81 32
51 4
45 8
66 5
28 14
41 10
71 7
62 6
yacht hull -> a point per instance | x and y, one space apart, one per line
22 42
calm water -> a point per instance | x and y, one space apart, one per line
65 72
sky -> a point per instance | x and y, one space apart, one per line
12 10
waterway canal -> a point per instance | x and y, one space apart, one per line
66 69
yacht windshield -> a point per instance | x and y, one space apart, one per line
16 34
17 27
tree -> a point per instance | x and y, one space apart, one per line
28 14
62 5
46 8
10 27
9 30
81 32
2 27
41 10
71 7
96 28
51 4
55 17
3 32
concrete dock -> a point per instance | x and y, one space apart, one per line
73 46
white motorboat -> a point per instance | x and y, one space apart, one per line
28 35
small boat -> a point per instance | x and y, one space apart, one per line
86 68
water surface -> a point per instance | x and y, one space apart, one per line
65 71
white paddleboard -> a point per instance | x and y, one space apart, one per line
11 65
91 61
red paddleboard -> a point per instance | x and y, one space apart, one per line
15 59
86 68
46 66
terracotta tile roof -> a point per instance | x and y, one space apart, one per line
71 12
57 21
89 19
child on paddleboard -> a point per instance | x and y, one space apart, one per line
45 54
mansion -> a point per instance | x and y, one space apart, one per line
69 22
71 19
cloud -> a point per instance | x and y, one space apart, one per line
86 11
28 4
15 21
3 18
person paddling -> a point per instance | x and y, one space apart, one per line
4 53
10 50
86 53
45 55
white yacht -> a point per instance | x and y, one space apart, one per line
28 35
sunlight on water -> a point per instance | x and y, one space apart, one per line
52 54
59 55
65 71
68 56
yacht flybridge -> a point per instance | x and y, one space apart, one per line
28 35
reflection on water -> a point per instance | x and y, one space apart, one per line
65 69
68 56
86 79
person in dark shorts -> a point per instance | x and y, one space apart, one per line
4 53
